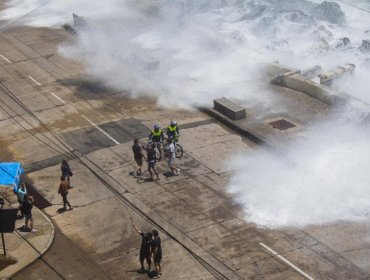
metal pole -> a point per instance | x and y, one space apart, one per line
2 238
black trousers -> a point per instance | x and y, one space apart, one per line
65 201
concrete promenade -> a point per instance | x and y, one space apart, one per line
25 247
51 109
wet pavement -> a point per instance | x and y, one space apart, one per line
60 112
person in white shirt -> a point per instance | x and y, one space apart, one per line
171 153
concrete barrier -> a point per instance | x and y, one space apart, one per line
320 92
328 77
311 72
229 109
275 69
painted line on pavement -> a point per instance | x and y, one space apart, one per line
101 130
88 120
35 81
57 97
5 58
286 261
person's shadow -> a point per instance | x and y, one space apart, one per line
24 229
152 274
62 210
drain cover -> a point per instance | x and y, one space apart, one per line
281 124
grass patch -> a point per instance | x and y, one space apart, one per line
5 261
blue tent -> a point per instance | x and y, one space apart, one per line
10 173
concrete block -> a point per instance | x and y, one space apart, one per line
275 69
311 72
302 84
328 77
229 109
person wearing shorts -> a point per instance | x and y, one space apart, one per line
152 159
27 206
157 252
145 253
138 156
171 154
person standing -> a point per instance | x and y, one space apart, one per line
145 253
22 192
63 191
138 156
157 253
156 136
171 155
27 206
152 159
66 171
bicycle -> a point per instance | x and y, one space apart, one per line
178 148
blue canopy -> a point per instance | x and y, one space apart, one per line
10 173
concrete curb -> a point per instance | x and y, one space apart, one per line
246 132
4 274
51 239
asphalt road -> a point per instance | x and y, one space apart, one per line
64 260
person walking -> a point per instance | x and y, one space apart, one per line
157 253
138 156
152 159
63 191
145 252
66 171
171 155
22 192
27 206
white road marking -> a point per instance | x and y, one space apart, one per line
57 97
87 119
286 261
5 58
35 81
101 130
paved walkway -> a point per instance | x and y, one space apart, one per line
25 247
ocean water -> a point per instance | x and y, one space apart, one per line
188 52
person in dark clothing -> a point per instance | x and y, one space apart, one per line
63 191
66 171
27 206
152 159
145 253
157 253
138 156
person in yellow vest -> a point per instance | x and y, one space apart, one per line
173 131
156 136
